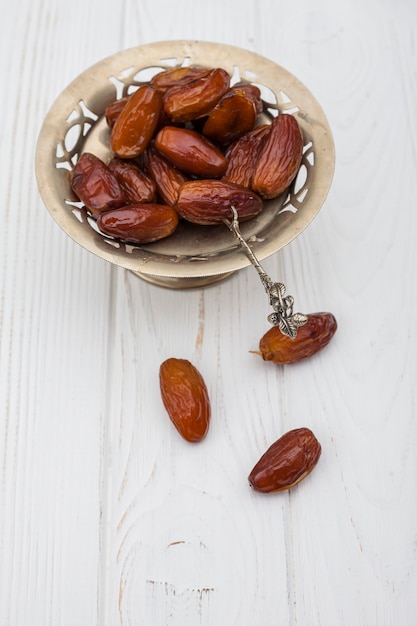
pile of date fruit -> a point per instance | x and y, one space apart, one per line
187 145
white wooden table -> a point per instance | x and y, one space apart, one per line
107 517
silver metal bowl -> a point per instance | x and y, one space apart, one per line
194 255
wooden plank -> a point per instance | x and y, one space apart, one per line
107 516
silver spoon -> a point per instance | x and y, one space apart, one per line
283 316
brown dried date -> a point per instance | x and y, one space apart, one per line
312 337
136 185
209 202
242 155
114 109
177 76
190 152
168 179
184 103
95 185
233 116
286 462
252 92
139 223
185 398
280 157
136 123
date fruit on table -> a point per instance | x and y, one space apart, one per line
312 337
185 398
286 462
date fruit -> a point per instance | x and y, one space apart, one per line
311 337
185 398
209 202
136 185
177 76
136 123
190 152
280 158
168 179
286 462
95 185
252 92
184 103
139 223
232 117
242 155
114 109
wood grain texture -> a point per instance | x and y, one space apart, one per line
107 516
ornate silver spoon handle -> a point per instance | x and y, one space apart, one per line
283 316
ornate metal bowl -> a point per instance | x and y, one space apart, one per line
194 255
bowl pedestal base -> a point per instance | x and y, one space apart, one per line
182 283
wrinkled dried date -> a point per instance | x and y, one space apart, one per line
190 152
242 155
185 398
139 223
136 185
286 462
95 185
197 98
208 202
231 118
168 179
279 158
114 109
252 92
177 76
312 337
136 123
